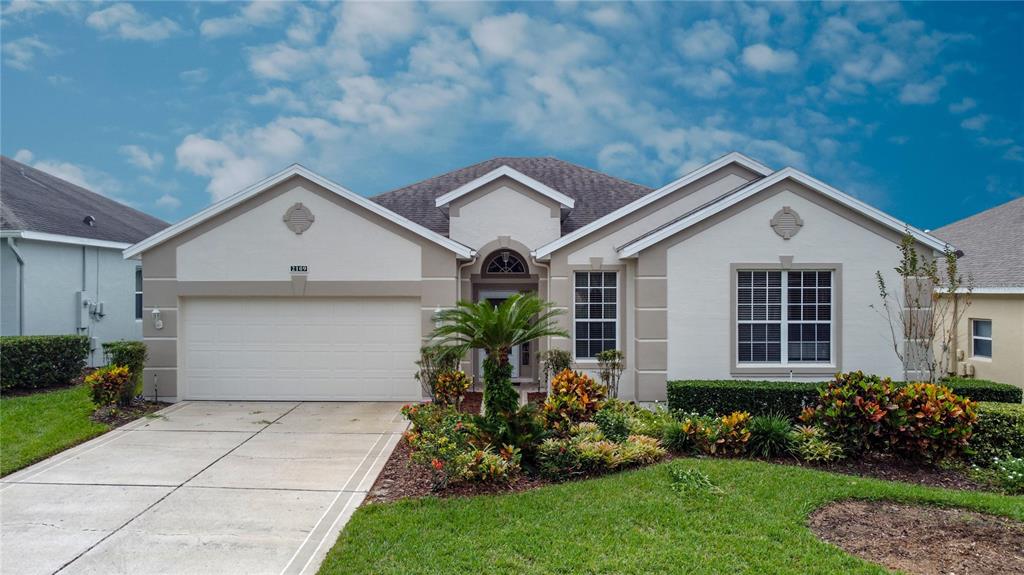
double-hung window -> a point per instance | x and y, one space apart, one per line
138 292
784 317
595 301
981 338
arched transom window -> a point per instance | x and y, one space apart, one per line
505 262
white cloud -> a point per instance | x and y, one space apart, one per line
140 158
29 8
84 176
125 22
24 156
239 158
705 41
994 142
281 97
962 106
306 26
922 92
22 53
976 123
280 61
899 140
195 76
764 58
610 16
1014 153
252 15
704 82
167 201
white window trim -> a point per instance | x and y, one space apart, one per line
617 320
784 321
974 337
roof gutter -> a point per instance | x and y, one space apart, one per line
63 239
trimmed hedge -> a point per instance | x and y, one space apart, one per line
38 361
998 433
756 397
984 390
789 397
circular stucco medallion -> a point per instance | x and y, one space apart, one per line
786 222
298 218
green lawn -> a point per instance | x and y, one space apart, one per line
34 427
630 523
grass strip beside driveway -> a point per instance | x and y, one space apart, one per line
34 427
631 523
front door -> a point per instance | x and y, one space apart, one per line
496 297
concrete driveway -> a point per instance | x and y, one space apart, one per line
204 487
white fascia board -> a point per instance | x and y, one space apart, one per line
632 248
62 239
731 158
989 290
294 170
505 171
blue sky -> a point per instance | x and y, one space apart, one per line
915 108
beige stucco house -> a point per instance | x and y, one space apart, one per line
990 336
297 288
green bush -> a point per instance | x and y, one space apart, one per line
984 390
38 361
1010 475
789 397
131 354
769 435
613 423
998 433
755 397
587 452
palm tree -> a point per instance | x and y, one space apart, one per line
496 329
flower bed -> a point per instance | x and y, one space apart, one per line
859 424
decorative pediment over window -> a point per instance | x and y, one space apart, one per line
505 262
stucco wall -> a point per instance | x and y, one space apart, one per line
699 283
248 250
9 280
1007 315
339 246
504 208
54 274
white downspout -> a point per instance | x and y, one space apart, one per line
21 284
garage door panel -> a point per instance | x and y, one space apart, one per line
314 348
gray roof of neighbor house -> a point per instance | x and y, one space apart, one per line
993 245
32 200
596 194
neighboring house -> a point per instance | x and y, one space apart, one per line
990 338
62 269
296 288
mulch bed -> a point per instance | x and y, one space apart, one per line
893 468
117 417
923 540
401 479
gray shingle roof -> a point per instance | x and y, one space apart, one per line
596 194
993 245
32 200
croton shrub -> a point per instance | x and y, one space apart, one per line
450 387
111 386
574 397
866 413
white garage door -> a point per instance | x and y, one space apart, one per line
300 348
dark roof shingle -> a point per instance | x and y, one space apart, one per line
596 194
32 200
993 245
